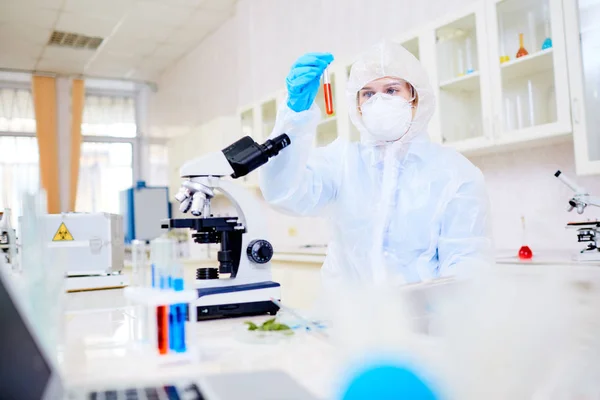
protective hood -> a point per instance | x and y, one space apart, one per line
391 60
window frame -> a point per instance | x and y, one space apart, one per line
138 143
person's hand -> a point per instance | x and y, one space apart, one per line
304 79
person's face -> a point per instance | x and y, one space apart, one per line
388 85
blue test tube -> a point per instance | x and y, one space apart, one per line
179 309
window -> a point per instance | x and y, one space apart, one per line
112 116
16 110
109 139
105 170
19 171
158 161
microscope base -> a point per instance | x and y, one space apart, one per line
238 300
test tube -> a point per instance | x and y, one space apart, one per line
138 262
531 105
179 311
519 113
327 92
160 266
469 55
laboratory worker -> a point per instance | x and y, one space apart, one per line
400 206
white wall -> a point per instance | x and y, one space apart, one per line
523 183
249 57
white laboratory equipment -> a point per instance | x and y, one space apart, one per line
242 283
91 245
143 207
587 231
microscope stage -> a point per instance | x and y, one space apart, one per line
237 300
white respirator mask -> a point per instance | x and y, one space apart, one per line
386 117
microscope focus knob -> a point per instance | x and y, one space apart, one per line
260 251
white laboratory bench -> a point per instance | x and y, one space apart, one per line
99 333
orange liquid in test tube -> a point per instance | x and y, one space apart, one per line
162 323
327 93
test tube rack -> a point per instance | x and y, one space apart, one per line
146 300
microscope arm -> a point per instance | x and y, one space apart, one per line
581 199
237 160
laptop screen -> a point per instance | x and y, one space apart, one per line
24 371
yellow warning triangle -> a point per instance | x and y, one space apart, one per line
62 234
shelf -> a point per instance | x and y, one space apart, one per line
528 65
469 82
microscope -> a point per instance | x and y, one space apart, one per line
241 284
587 232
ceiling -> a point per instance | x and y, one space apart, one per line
141 37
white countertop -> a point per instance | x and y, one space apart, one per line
542 257
99 348
316 255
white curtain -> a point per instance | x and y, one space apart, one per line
105 170
19 171
159 165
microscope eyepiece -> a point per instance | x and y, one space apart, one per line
272 147
246 155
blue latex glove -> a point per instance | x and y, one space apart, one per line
304 79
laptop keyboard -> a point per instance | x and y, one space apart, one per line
190 392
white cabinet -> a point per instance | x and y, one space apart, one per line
461 78
487 96
583 44
530 89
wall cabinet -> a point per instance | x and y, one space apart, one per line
458 64
583 45
493 92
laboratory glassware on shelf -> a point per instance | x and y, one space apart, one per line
525 252
522 52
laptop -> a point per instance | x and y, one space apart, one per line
27 373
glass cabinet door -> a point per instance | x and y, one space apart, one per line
461 79
583 44
529 73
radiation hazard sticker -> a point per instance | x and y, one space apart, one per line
62 234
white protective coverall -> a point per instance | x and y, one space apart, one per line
410 209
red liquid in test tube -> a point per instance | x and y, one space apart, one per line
162 323
327 93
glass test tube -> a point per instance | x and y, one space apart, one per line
160 264
519 112
138 262
327 92
178 311
531 105
469 55
460 59
547 44
503 55
532 33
